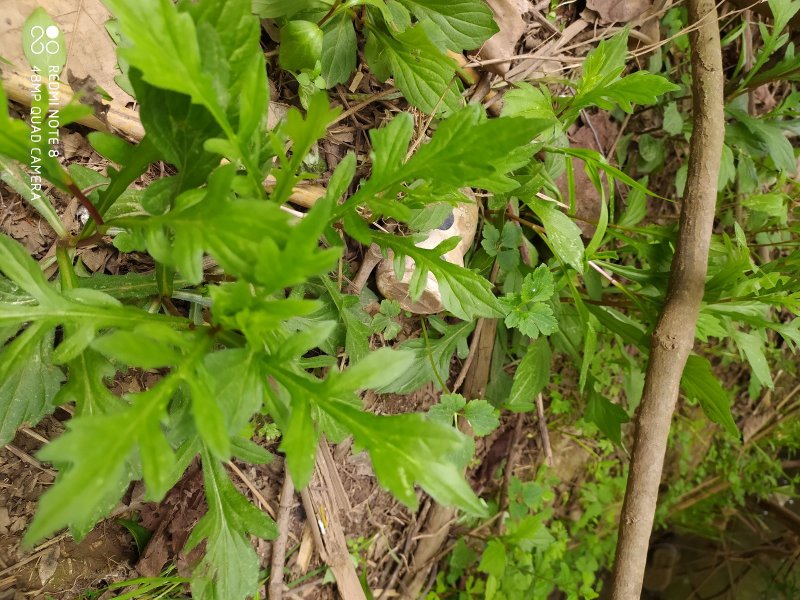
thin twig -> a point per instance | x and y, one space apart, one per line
279 545
253 489
548 452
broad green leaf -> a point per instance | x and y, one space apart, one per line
531 377
751 346
339 49
482 416
424 74
301 45
378 369
178 129
447 408
299 442
28 379
493 559
699 383
230 568
270 9
562 232
466 24
407 449
430 359
606 415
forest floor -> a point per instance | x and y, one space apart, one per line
382 534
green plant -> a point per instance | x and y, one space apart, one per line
269 345
405 39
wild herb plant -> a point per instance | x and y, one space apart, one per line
266 327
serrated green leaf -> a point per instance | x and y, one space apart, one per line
28 379
230 567
464 293
96 467
538 286
493 559
407 449
155 29
85 385
424 74
178 129
466 24
531 377
447 408
482 416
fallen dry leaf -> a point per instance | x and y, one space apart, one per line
618 11
48 563
508 15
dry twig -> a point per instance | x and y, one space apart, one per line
279 547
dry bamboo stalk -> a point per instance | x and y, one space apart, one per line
118 119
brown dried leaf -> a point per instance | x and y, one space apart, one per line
507 14
618 11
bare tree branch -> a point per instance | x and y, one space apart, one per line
673 337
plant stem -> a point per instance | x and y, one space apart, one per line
673 337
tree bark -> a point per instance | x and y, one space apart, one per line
673 338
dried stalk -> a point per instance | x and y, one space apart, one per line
673 337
